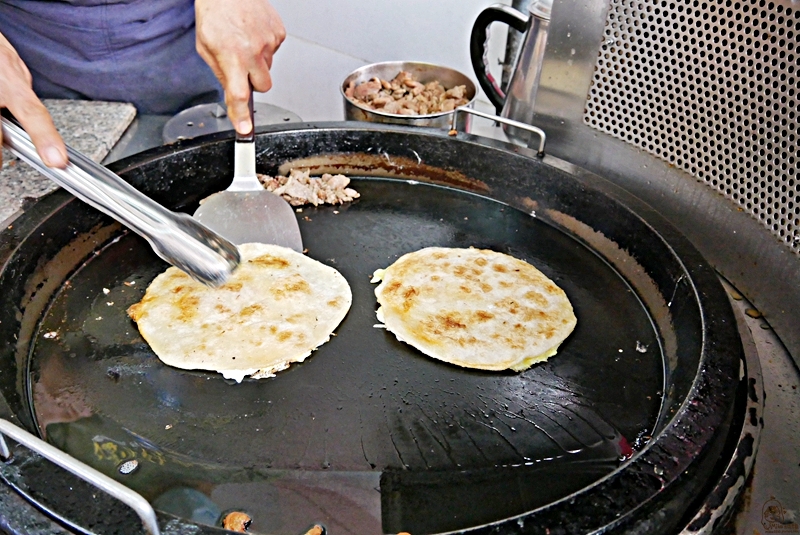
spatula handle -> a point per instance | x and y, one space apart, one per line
250 137
244 157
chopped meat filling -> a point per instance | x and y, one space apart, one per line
301 188
406 96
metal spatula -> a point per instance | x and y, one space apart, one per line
246 212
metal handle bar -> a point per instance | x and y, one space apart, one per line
510 122
175 237
119 491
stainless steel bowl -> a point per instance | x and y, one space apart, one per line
423 72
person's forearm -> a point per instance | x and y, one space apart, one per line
238 40
16 94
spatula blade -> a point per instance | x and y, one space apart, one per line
251 216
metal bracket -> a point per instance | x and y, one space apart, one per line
510 122
119 491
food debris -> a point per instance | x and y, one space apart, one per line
51 334
640 347
452 132
406 96
753 313
110 303
236 521
131 283
106 291
168 426
301 188
315 530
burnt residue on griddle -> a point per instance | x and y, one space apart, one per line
383 164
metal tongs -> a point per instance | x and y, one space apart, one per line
176 237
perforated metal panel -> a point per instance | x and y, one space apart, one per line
712 88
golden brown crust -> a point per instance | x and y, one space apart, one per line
474 308
276 308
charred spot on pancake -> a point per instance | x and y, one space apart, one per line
530 314
481 262
135 311
464 341
269 261
483 315
293 285
284 336
232 286
537 298
333 302
450 321
187 306
408 298
500 268
178 275
393 287
250 310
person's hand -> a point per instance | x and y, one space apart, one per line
238 40
16 94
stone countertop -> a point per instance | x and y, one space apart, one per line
90 127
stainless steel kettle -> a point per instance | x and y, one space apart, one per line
517 103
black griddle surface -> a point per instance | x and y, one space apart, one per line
367 435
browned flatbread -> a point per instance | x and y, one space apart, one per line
474 308
274 310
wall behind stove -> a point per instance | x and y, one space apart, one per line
329 39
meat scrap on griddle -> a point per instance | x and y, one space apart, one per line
301 188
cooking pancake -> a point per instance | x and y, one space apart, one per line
474 308
275 309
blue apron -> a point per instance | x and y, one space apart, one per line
138 51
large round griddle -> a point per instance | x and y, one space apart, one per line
368 435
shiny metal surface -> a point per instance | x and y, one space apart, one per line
101 481
720 504
530 129
710 88
518 102
777 469
245 212
760 264
524 83
175 237
212 118
737 244
423 72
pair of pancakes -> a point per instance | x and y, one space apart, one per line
470 307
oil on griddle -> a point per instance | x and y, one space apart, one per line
367 435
